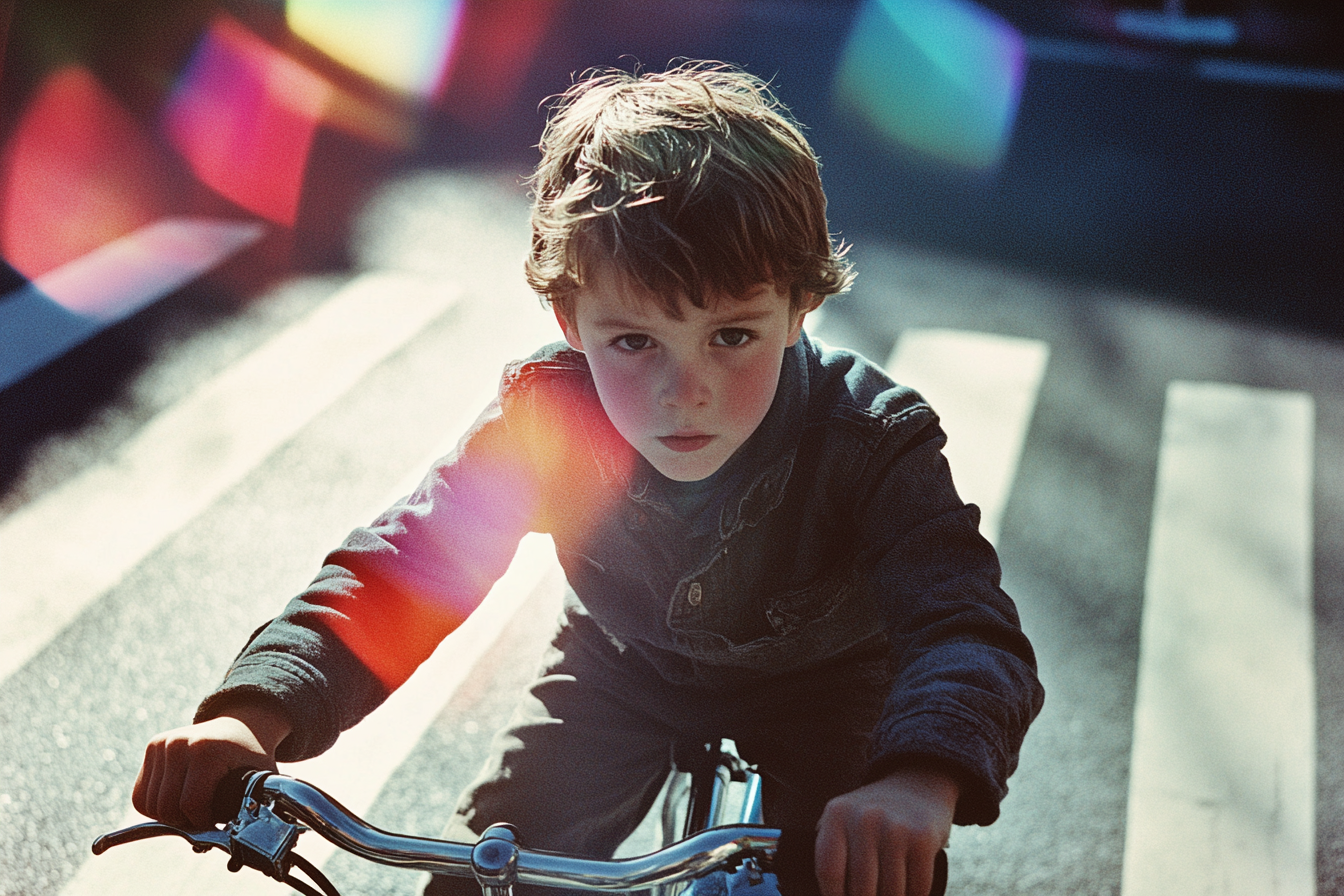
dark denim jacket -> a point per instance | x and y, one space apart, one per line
834 528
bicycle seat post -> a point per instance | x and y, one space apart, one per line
495 860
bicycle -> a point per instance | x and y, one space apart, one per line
701 855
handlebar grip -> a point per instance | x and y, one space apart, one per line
796 865
229 793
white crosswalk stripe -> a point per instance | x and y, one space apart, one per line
1222 781
64 550
355 768
984 388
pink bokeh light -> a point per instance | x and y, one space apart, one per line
244 116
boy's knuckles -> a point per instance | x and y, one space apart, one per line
174 750
871 822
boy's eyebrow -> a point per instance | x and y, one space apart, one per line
616 323
745 317
620 323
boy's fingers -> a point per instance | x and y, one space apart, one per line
919 873
864 873
198 793
171 774
830 858
889 856
145 794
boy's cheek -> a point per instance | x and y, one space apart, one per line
626 412
750 392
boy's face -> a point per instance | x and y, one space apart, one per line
685 393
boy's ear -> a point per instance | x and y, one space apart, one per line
568 327
810 303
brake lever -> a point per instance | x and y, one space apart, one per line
257 837
201 841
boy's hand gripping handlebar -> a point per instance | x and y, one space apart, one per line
257 837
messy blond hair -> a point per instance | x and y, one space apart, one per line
691 182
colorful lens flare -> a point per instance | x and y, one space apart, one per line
78 173
940 77
404 45
244 116
495 46
65 306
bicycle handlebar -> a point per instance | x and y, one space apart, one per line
692 857
273 805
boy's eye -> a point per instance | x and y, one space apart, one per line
732 337
632 342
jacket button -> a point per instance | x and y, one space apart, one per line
693 595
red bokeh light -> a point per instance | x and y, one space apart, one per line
78 173
492 54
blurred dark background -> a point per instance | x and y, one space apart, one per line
1200 159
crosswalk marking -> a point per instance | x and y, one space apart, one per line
1222 788
358 766
984 388
65 549
64 307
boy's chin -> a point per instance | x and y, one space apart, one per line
685 469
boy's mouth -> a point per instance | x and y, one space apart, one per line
686 443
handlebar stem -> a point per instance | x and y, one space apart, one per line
495 860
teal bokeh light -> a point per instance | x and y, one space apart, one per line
939 77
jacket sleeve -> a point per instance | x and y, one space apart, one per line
389 594
965 685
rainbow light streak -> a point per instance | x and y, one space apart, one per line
244 115
430 561
66 306
941 77
423 584
78 172
120 278
405 45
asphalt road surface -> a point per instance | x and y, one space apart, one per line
1166 487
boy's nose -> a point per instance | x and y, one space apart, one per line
685 387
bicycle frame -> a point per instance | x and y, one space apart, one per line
701 781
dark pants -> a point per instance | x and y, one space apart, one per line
589 746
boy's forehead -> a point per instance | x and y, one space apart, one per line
609 289
635 301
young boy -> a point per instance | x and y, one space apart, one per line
760 534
